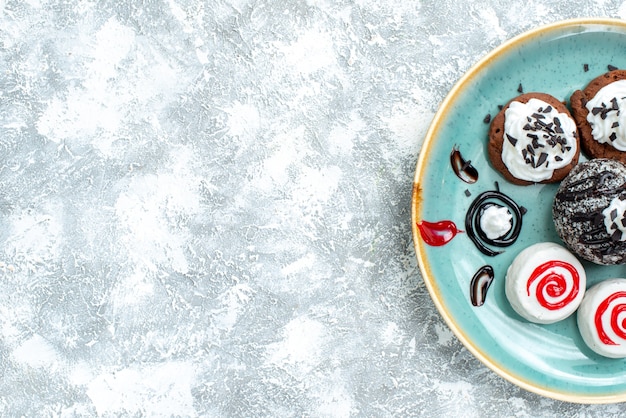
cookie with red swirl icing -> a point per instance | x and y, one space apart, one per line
602 318
545 283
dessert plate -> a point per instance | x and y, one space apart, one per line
551 360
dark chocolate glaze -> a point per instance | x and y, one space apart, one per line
480 284
474 213
462 168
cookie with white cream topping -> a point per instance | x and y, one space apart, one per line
600 113
533 139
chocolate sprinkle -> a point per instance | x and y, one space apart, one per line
585 67
557 128
487 118
467 193
536 143
617 235
512 140
520 89
542 159
611 67
604 110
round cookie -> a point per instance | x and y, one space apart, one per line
589 211
600 113
533 139
545 283
602 318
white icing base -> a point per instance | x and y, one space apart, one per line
586 318
520 271
612 121
496 221
617 208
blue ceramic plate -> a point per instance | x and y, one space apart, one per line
551 360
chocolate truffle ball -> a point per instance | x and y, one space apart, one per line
589 211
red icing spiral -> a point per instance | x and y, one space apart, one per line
554 284
616 310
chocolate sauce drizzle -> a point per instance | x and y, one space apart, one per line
480 284
591 186
477 209
462 168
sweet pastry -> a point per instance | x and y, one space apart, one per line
602 318
589 211
533 139
545 283
599 113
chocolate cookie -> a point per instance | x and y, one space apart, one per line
533 139
589 211
600 113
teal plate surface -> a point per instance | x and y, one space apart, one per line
551 360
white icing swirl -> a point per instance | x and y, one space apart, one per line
614 219
537 140
608 122
496 221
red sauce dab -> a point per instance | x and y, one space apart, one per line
554 284
614 323
437 233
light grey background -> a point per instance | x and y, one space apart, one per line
205 207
